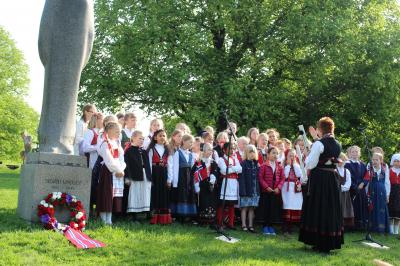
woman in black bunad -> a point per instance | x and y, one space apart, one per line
322 218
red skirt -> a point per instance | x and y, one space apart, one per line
292 216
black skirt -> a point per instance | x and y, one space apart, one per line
322 217
394 201
271 208
207 202
95 180
360 206
159 190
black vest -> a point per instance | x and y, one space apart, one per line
332 149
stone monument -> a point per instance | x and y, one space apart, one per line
65 44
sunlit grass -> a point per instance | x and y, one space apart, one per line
130 243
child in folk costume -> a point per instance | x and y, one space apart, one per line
99 161
121 119
273 137
137 175
281 148
249 188
184 128
111 182
90 138
378 192
196 149
175 141
287 143
126 133
230 169
231 128
158 161
394 198
222 138
252 134
262 146
208 137
155 125
183 202
271 180
291 192
345 198
205 173
210 130
242 143
82 126
358 187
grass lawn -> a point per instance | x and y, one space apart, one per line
129 243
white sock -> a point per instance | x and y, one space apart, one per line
103 216
109 215
396 229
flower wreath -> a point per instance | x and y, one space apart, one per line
46 212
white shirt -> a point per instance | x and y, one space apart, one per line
346 186
281 158
313 157
174 178
297 171
114 165
273 166
387 178
237 168
128 133
147 141
81 128
89 148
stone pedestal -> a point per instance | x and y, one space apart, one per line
44 173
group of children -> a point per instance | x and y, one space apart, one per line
202 180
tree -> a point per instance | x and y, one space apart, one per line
16 115
271 63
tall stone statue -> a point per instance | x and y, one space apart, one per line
65 43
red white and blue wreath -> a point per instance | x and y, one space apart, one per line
73 230
77 212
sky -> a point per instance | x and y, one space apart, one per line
21 18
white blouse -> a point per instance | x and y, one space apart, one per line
313 157
128 133
346 186
297 171
81 128
175 165
114 165
147 141
237 168
89 148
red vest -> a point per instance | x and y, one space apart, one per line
394 178
95 136
232 175
114 152
157 159
239 157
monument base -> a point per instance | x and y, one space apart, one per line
44 173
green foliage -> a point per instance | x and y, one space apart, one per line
13 71
16 115
130 243
271 63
